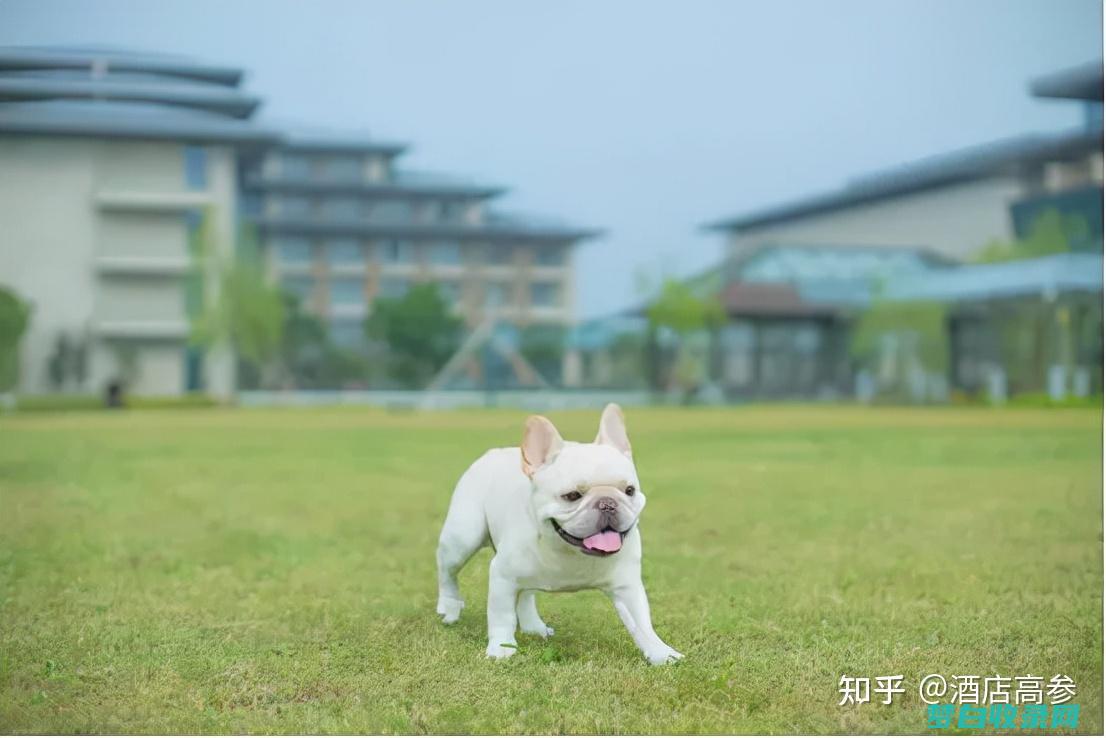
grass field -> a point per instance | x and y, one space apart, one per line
273 571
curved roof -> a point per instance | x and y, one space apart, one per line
48 59
1083 82
113 93
341 144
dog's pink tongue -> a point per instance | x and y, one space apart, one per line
608 541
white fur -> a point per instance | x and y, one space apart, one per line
496 502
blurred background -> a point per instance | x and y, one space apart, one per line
487 203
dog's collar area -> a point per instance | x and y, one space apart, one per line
579 542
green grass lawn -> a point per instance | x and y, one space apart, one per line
273 571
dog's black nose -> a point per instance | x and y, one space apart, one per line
606 504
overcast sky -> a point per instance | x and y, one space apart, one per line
645 119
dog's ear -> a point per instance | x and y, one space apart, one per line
612 429
540 444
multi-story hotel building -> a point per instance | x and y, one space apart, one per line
106 160
341 225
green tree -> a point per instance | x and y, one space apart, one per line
246 311
683 312
304 345
544 347
1033 334
1051 233
901 336
14 317
420 331
679 309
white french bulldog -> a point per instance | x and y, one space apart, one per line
561 517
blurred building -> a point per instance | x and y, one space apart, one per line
342 224
799 275
958 202
106 158
109 160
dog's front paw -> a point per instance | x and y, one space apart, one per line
539 629
501 650
663 655
450 609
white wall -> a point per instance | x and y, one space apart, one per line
957 221
52 229
47 219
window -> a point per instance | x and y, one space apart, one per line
293 251
392 288
495 294
445 253
550 256
344 208
252 203
295 166
543 294
501 255
296 207
738 344
398 252
391 211
195 167
344 252
377 168
347 292
301 287
345 168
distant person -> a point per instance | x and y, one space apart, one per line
113 394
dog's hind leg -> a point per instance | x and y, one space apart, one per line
529 621
465 532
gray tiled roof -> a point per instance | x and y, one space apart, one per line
490 231
1083 82
341 144
400 185
965 165
39 59
112 93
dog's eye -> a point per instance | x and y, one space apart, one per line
630 490
571 496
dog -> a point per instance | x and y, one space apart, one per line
561 517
